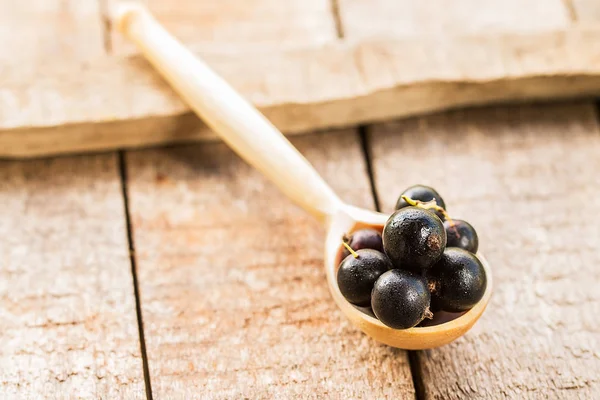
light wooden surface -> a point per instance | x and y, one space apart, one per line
236 305
36 31
254 139
406 18
228 315
241 126
233 292
68 324
64 94
587 11
365 81
240 23
527 179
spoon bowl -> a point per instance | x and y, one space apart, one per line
257 141
417 338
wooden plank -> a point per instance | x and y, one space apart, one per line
122 102
68 325
586 11
407 18
35 31
234 295
240 23
527 178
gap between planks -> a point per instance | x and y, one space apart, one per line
534 137
413 355
366 90
337 18
136 288
108 48
106 23
570 10
284 332
363 134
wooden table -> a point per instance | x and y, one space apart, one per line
69 83
179 272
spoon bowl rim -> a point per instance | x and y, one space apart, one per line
416 338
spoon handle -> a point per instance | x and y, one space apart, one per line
224 110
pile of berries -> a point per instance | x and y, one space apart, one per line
424 262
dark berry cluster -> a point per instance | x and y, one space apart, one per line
423 262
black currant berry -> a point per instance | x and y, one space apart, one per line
457 282
400 299
421 193
462 235
414 238
363 239
357 275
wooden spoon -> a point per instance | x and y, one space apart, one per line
256 140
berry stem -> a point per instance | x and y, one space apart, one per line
431 205
411 201
432 287
428 314
354 254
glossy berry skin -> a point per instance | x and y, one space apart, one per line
422 193
356 276
461 235
414 239
364 239
457 282
400 299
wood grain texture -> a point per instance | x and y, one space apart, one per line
35 31
527 179
407 18
121 102
234 295
240 23
586 11
68 326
